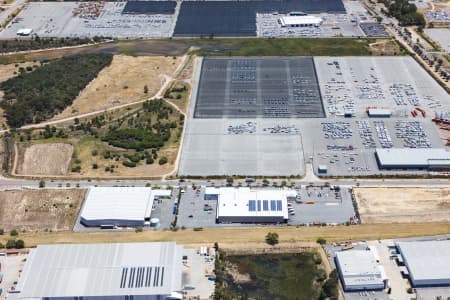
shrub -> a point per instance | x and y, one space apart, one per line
129 164
94 166
20 244
14 232
10 244
138 229
149 161
321 241
272 238
2 231
163 160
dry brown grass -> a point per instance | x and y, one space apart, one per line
403 205
122 83
39 210
385 47
236 235
45 159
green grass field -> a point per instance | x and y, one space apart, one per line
284 47
216 46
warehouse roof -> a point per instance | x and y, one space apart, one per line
257 203
413 156
300 20
379 112
130 203
426 260
359 267
101 270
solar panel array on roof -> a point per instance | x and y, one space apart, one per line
238 18
255 205
150 7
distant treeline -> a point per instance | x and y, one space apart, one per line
36 43
33 97
405 12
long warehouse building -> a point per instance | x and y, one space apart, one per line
428 262
151 271
245 205
436 159
119 206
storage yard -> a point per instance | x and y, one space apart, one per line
403 205
441 36
153 19
241 127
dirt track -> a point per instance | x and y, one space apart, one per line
122 83
40 210
403 205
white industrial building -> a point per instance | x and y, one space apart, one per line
245 205
24 31
119 206
359 270
428 262
379 113
300 21
151 271
413 158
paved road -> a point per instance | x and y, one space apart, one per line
16 4
16 183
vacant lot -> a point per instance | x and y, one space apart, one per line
46 159
40 210
403 205
253 275
122 82
386 47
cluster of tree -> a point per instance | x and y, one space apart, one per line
13 244
405 12
330 287
135 138
44 43
36 96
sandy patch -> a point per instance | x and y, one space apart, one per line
40 210
46 159
403 205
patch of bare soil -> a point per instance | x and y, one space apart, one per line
40 210
45 159
403 205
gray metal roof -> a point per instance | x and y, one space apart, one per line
119 203
413 156
427 260
359 267
102 270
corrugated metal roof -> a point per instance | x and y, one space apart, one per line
379 112
102 270
413 156
427 260
126 203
